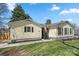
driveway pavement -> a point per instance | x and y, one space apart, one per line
4 45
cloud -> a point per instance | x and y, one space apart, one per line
68 11
54 7
11 6
32 3
70 20
1 16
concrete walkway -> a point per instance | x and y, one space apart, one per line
4 45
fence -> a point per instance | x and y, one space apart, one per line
4 36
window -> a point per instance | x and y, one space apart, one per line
59 31
66 31
70 31
28 29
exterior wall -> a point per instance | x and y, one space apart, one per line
18 33
52 33
68 26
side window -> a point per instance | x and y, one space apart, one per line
28 29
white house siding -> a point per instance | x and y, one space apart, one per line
35 34
53 33
20 34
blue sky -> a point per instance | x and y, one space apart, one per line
54 11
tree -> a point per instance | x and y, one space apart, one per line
48 21
19 14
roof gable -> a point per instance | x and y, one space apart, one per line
62 23
30 21
19 23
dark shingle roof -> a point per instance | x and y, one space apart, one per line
22 23
56 25
28 21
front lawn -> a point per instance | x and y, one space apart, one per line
53 48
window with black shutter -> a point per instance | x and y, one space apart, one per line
28 29
32 29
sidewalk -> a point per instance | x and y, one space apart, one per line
22 43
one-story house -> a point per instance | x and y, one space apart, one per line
61 30
25 29
30 30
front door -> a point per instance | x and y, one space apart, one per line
45 33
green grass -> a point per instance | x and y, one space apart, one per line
53 48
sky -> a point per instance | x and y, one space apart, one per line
40 12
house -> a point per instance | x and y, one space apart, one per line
25 29
30 30
63 29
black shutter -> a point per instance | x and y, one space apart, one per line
32 29
25 29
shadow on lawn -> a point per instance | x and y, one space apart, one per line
76 54
72 47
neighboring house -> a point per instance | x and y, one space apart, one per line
61 29
30 30
25 29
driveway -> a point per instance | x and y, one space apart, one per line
4 45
